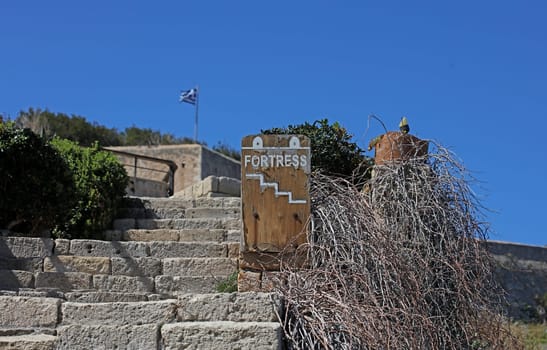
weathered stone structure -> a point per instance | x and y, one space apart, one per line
194 163
150 285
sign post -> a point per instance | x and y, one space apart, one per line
275 198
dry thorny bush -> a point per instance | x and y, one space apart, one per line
399 265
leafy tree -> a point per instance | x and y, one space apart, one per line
100 182
332 150
75 128
36 187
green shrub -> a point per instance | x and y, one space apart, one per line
227 150
36 187
332 150
229 285
100 182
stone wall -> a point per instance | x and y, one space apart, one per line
205 321
194 163
522 273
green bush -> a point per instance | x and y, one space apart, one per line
332 150
100 182
36 187
229 285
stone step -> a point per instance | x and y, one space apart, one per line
181 203
199 266
28 342
15 279
25 247
155 249
24 264
175 285
124 266
108 297
65 282
119 313
194 213
191 321
131 337
178 224
187 235
236 307
178 213
151 213
157 203
222 335
29 312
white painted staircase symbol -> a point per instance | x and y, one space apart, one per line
275 186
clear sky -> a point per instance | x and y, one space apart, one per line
471 75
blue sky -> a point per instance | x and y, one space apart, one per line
471 75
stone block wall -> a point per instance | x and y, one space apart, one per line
521 270
194 163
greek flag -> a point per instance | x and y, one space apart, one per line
189 96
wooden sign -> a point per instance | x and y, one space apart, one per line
274 191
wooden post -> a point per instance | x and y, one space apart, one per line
275 198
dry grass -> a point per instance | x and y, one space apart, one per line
533 335
399 266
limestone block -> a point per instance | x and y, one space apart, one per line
233 250
84 247
29 312
222 202
184 224
62 247
25 247
196 190
238 307
103 337
41 293
9 293
232 224
216 335
123 284
15 279
248 281
124 224
70 263
28 342
234 235
209 184
199 266
230 186
196 213
187 249
65 281
197 235
118 313
151 235
136 266
104 297
174 285
25 264
164 213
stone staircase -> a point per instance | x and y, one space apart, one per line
149 285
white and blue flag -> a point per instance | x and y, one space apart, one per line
189 96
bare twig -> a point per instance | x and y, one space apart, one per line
401 266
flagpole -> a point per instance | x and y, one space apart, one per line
196 116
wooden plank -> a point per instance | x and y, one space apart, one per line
275 191
263 261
